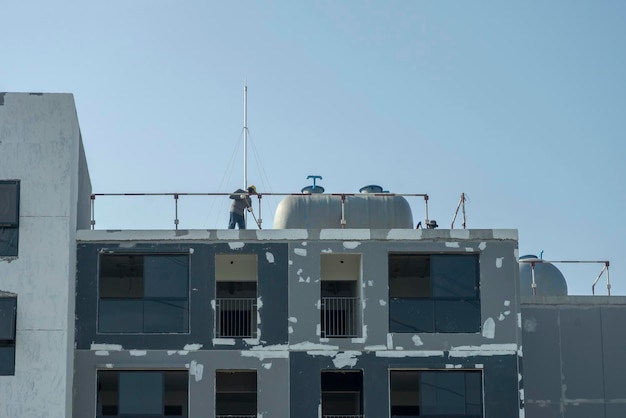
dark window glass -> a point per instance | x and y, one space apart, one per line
434 293
143 293
153 394
9 217
9 203
342 392
8 312
235 392
436 393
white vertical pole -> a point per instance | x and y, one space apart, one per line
245 136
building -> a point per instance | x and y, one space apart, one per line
376 319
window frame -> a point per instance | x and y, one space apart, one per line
467 376
144 300
9 229
8 344
430 307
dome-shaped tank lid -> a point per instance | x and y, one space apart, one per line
312 189
372 188
548 278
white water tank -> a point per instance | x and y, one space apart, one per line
549 279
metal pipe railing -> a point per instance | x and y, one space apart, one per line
235 318
534 261
339 317
342 222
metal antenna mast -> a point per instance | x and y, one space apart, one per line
245 136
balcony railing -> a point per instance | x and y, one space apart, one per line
235 318
339 317
236 416
343 416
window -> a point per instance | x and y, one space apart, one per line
235 394
8 310
141 293
9 217
416 393
434 293
342 394
142 393
340 305
236 290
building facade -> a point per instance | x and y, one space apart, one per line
305 320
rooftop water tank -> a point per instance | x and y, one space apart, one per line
362 211
549 279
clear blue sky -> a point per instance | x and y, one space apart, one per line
521 105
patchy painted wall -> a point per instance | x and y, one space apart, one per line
574 348
40 146
290 354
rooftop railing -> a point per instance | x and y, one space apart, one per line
259 207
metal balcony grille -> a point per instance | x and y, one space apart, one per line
235 318
339 319
235 416
343 416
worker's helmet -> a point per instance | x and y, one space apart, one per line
251 189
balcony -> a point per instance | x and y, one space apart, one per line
339 317
236 318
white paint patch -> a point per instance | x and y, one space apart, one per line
501 317
482 246
300 251
304 243
452 245
107 347
270 257
404 234
382 302
479 366
236 245
262 355
507 313
196 369
417 340
347 358
363 303
318 330
192 347
499 262
351 245
138 353
171 352
327 250
409 353
223 341
489 328
252 341
483 350
299 272
519 320
469 250
319 305
101 353
267 366
399 348
290 329
363 339
293 319
108 366
191 251
505 234
307 346
183 352
370 283
213 304
449 366
375 347
507 303
290 262
259 302
390 341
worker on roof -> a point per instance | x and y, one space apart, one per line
241 202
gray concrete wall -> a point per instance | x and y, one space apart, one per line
40 146
290 354
574 349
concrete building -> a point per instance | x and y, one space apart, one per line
309 319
